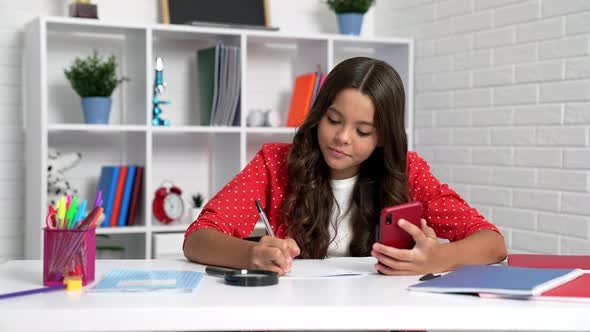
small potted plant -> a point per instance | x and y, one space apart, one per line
94 79
350 14
197 206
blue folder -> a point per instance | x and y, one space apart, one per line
495 279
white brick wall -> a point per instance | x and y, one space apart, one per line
503 110
13 15
303 15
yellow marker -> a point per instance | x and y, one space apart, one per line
61 212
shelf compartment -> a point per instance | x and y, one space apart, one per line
99 149
255 140
65 42
195 162
178 51
272 64
121 246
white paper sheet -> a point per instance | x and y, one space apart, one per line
334 267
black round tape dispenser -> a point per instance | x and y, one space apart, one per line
248 278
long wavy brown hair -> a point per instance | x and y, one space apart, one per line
382 180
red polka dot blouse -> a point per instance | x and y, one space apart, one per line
233 212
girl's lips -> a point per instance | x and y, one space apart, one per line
337 153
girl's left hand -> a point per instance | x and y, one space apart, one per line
423 258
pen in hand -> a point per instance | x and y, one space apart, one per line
266 223
264 219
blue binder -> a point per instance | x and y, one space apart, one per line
109 175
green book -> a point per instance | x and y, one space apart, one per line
207 69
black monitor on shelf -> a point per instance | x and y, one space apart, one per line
249 14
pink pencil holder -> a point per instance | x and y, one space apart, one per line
68 252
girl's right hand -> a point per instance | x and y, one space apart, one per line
273 254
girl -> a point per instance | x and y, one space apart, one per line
323 193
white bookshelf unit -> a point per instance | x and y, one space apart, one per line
198 159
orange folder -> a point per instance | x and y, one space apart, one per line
118 196
301 99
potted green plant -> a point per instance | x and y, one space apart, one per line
197 206
94 79
350 14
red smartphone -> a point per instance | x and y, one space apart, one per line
390 234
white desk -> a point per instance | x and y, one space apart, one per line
372 302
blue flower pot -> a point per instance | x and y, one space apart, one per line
96 109
350 23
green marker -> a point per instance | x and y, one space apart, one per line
71 212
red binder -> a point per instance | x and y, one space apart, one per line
579 287
135 195
550 261
118 196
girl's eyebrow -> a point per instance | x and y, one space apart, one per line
333 109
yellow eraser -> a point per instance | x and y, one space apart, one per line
73 283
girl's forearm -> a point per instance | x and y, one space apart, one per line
482 247
210 247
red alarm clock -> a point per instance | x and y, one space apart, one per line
168 205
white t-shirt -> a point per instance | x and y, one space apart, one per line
340 218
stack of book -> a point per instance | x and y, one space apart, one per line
121 193
528 277
305 90
219 74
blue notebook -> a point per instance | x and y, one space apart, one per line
496 279
148 281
